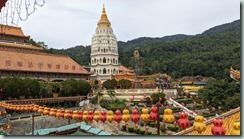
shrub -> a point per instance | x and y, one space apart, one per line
162 127
161 118
152 124
173 127
142 131
190 118
123 127
130 129
137 130
141 123
149 133
154 133
186 101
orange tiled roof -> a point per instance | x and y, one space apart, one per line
124 69
13 60
235 74
15 45
11 30
148 82
229 118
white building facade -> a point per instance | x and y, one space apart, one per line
104 51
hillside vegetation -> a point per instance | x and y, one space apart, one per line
208 54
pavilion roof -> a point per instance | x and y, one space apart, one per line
20 46
12 31
124 69
14 60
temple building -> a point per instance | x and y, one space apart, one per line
104 50
18 58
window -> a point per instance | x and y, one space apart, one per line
104 71
104 60
100 71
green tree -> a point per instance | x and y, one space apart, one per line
157 96
221 92
110 84
126 84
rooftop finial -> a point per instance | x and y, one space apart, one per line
104 22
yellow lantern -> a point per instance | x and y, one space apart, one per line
168 116
96 116
110 116
58 113
66 113
126 115
236 128
52 112
40 109
85 114
75 114
46 111
35 109
145 116
198 124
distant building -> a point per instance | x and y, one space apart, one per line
18 58
104 51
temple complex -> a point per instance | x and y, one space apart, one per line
104 50
20 58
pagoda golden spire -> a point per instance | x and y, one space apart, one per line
103 22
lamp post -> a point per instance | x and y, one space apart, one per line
158 104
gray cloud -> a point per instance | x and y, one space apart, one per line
64 24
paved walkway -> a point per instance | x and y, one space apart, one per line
175 103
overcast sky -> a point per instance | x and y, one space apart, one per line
67 23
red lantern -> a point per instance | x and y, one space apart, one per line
153 114
166 98
183 121
135 117
103 116
213 109
217 128
90 115
168 133
80 115
118 117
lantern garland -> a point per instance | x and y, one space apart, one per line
135 117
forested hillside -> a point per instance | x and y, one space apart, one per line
208 54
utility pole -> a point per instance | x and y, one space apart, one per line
158 117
